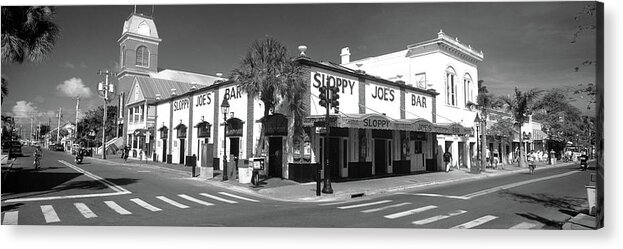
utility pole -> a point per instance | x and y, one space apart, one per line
31 131
104 89
58 128
77 113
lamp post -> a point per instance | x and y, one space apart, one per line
477 122
104 89
225 110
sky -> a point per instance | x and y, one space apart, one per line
525 45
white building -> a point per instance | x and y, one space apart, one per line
442 64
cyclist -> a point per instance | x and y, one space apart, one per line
38 155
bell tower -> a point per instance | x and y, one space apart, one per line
138 56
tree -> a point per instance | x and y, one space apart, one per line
521 106
266 71
561 120
28 34
92 121
484 103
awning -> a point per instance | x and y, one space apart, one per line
382 122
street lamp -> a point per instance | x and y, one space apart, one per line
104 88
225 110
477 122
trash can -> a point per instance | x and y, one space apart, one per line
245 171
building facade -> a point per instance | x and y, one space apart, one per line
444 65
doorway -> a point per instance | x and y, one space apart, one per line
334 157
164 150
182 149
234 147
461 154
380 157
275 157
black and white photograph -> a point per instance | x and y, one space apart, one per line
442 119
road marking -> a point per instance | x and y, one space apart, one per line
49 214
143 171
118 190
365 204
10 218
524 225
238 197
410 212
218 198
145 205
117 208
84 210
385 207
476 222
195 200
440 195
517 184
172 202
439 217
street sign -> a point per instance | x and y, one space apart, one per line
321 130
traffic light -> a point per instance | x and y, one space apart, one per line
323 96
334 98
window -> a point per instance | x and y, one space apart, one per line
131 115
420 80
467 91
122 56
142 56
451 87
138 115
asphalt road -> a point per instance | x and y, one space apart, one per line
96 193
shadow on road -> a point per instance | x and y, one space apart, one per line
567 205
11 207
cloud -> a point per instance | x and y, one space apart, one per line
74 87
69 65
83 65
39 99
24 109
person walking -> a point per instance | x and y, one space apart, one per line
447 158
532 161
126 153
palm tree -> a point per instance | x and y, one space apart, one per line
267 71
5 89
28 34
521 107
484 102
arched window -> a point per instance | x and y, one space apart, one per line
142 56
468 92
451 87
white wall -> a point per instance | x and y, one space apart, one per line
203 106
238 104
381 98
181 108
349 91
163 115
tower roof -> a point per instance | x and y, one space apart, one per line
140 24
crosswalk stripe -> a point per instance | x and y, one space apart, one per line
385 207
49 214
439 217
365 204
476 222
410 212
218 198
10 218
524 225
84 210
172 202
145 205
205 203
238 197
116 207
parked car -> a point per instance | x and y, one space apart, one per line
57 147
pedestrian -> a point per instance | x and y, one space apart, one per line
126 153
447 158
532 161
